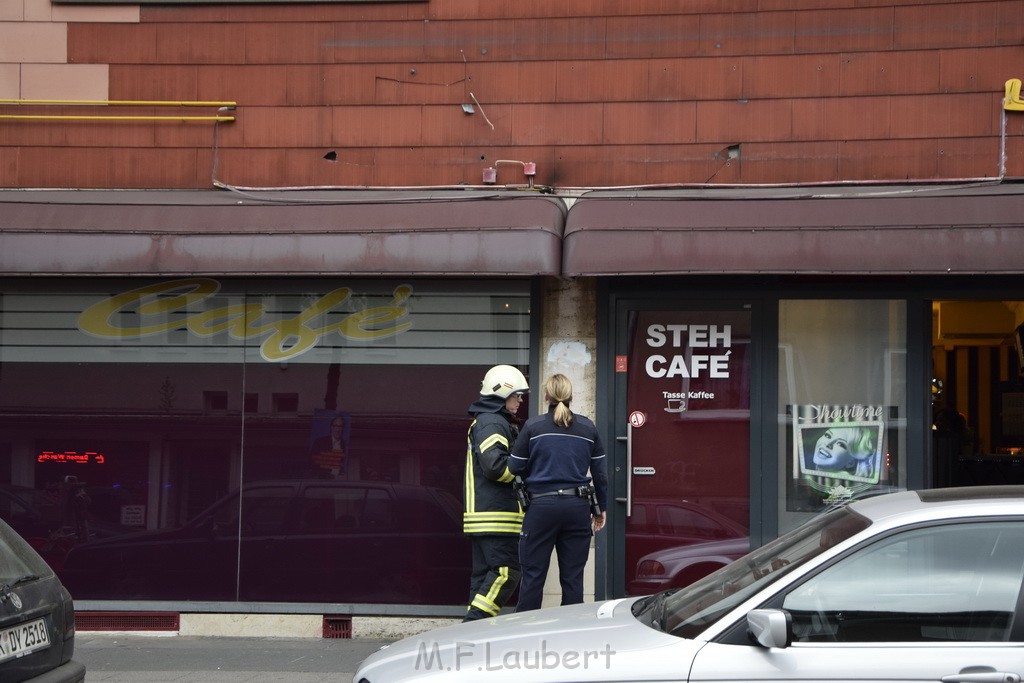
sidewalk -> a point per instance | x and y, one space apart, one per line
144 658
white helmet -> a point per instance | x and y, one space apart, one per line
503 381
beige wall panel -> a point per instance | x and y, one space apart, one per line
64 82
107 14
30 41
10 81
12 10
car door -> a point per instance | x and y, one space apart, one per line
936 602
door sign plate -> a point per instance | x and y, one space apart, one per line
645 471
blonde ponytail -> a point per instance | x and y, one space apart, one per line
558 390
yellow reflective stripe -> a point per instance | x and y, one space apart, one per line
492 528
484 605
496 587
492 517
493 439
470 481
506 476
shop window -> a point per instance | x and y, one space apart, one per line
842 402
172 366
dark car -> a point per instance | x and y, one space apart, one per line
37 617
310 540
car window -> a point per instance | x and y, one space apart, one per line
687 612
17 558
345 509
956 582
675 520
263 511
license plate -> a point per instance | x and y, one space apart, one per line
18 641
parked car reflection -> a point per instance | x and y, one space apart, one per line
291 540
661 529
47 520
679 567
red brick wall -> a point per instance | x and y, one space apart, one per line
596 93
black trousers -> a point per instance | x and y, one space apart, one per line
562 524
495 574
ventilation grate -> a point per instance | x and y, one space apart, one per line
337 627
126 621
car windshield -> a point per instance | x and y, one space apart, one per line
689 611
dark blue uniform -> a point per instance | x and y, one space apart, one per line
554 461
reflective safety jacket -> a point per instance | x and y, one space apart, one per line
491 507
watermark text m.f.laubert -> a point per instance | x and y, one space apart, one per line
464 655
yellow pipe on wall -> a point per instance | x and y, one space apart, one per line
116 118
123 103
117 103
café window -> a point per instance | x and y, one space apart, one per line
842 402
185 433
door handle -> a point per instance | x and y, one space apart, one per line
982 674
629 469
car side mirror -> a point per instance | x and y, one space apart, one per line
770 627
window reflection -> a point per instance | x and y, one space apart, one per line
199 459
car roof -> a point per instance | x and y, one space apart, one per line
943 503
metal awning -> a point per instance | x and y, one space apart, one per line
214 232
845 230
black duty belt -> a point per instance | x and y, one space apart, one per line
575 492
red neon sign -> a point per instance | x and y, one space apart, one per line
74 457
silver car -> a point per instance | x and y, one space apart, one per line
911 586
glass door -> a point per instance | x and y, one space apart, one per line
687 472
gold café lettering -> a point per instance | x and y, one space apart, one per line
285 338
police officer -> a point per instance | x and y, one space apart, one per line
493 517
553 454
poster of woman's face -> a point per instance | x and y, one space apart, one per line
841 450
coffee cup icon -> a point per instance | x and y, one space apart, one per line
675 405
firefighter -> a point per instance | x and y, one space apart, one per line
493 517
